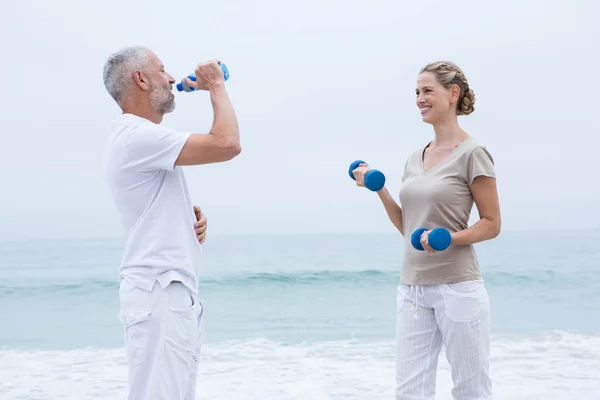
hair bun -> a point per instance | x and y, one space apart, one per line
468 103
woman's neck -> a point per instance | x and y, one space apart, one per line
448 133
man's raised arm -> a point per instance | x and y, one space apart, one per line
222 143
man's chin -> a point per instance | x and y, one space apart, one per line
169 108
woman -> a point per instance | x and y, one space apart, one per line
441 295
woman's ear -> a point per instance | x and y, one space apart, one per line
454 93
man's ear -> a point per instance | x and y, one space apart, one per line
141 80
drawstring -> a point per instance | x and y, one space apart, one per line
419 293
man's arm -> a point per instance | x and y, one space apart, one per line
223 141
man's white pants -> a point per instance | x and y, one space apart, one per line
163 334
454 315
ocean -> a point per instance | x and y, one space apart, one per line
299 317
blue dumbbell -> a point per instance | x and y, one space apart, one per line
439 239
374 179
184 87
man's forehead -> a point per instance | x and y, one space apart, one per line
154 59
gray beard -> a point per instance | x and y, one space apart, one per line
161 101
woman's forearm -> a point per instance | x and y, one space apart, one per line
392 208
484 229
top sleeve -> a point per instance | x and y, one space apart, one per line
481 163
155 147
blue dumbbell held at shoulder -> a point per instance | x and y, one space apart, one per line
374 179
184 87
439 239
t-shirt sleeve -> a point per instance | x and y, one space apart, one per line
154 147
481 163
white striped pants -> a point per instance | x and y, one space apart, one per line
455 315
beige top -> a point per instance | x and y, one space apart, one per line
441 197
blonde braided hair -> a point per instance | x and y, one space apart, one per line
448 74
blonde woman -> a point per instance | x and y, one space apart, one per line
442 299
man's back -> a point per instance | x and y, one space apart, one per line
153 202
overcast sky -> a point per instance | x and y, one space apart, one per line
316 85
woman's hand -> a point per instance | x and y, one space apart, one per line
425 242
359 174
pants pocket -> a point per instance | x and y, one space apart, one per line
182 333
401 293
464 301
193 373
200 320
137 333
182 344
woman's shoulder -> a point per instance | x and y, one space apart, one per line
472 143
474 147
417 153
476 160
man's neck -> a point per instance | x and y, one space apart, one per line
142 111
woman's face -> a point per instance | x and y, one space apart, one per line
433 100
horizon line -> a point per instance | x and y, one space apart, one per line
288 234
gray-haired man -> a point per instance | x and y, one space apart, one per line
159 303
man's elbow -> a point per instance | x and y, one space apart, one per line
232 150
236 149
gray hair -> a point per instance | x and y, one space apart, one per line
118 69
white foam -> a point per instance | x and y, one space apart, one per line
550 366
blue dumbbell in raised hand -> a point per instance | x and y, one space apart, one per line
439 239
184 87
374 179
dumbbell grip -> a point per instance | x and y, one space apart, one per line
374 179
439 239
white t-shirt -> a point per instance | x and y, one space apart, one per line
152 199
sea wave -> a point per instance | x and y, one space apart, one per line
549 366
367 277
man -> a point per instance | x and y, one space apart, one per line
159 304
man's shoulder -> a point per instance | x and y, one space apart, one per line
138 127
143 145
132 119
126 123
121 130
126 129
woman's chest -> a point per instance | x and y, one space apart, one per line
433 157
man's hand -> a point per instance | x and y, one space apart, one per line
208 75
200 225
